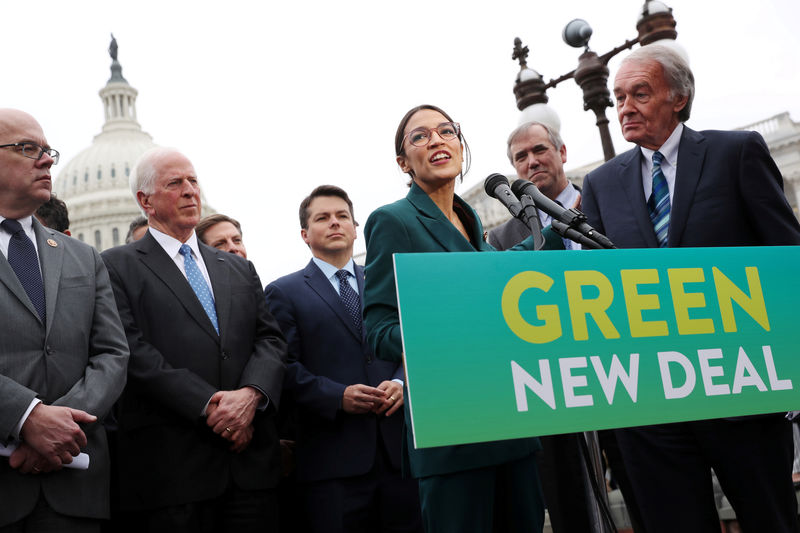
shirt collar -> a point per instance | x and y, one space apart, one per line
670 147
171 245
25 222
568 196
330 271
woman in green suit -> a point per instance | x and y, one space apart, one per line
477 488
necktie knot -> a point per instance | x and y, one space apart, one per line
343 275
185 251
658 157
12 226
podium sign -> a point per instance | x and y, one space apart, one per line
516 344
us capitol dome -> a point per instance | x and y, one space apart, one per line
94 184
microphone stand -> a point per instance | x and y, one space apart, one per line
530 217
592 465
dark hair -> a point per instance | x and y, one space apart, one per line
323 190
400 136
212 220
138 222
53 214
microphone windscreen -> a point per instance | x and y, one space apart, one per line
491 183
519 185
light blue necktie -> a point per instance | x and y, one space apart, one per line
658 203
199 285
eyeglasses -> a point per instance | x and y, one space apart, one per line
34 151
422 136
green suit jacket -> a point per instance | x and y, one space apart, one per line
413 225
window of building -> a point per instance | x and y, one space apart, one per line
98 242
115 236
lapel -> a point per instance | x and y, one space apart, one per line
9 278
629 180
437 225
691 153
153 256
322 286
51 259
220 275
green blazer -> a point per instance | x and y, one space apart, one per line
412 225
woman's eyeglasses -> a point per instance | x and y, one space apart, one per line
422 136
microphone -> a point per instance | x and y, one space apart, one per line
571 217
496 186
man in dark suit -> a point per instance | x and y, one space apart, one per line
62 351
198 448
682 188
349 404
538 155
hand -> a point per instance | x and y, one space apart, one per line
393 399
359 399
29 461
229 411
54 433
240 439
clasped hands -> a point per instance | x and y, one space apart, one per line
51 437
385 398
230 415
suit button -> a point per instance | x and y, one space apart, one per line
225 355
49 351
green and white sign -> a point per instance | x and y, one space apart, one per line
514 344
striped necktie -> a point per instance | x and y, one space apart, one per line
658 203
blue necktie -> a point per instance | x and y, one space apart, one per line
22 258
658 203
199 285
350 298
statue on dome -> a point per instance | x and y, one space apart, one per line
112 48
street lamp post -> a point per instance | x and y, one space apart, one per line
655 23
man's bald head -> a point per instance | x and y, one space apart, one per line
25 182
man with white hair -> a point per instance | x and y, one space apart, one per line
198 447
684 188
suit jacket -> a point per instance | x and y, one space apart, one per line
76 359
416 224
512 232
167 453
327 354
728 192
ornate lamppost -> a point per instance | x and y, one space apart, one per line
655 23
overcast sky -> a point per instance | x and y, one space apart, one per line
270 99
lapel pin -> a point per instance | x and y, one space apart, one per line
52 243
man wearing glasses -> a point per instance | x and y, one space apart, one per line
63 352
